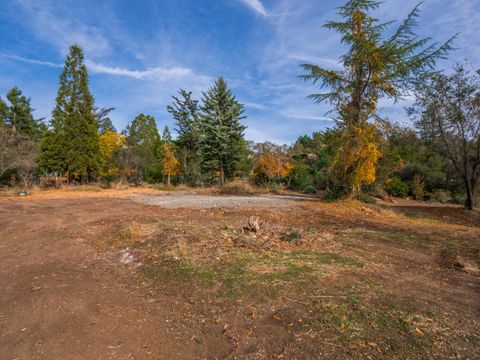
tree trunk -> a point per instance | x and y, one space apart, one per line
14 123
168 179
469 200
222 176
25 182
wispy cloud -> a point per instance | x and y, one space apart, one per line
157 73
253 105
308 117
257 6
31 61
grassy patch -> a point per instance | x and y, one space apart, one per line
291 236
250 274
400 237
386 329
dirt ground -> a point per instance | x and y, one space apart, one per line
142 274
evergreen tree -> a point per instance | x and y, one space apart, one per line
185 112
144 141
222 140
374 67
166 136
3 112
72 146
104 122
18 115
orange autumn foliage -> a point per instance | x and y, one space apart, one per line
271 167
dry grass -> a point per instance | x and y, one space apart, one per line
350 278
240 187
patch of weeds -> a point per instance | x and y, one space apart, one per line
367 199
393 331
202 273
259 276
320 258
291 236
448 257
401 237
131 233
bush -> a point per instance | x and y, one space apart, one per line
333 196
274 187
300 178
291 236
367 199
448 257
310 190
397 188
458 199
440 196
320 180
237 187
418 188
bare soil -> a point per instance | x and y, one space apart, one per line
142 274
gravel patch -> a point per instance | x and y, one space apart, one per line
176 200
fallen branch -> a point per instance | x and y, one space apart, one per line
295 301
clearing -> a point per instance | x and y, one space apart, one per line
144 274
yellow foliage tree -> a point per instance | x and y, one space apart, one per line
378 64
110 143
356 160
171 165
288 167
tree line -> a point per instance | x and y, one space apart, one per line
439 157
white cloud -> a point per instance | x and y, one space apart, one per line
32 61
253 105
156 73
257 6
307 117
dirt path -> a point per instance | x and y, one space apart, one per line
62 300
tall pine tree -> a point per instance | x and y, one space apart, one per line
145 145
72 145
222 140
375 66
167 135
185 112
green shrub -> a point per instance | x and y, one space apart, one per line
418 188
300 178
332 196
458 199
291 236
367 199
273 187
397 188
310 190
320 180
448 257
441 196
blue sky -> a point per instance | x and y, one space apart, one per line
139 53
